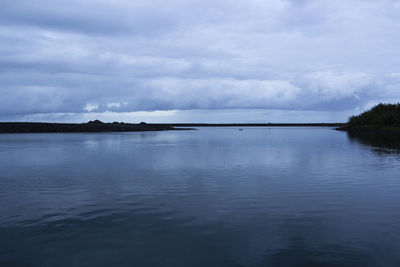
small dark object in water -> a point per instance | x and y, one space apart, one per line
240 129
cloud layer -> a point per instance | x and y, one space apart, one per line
94 56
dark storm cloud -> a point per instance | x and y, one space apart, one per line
84 56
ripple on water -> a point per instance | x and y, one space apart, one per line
213 197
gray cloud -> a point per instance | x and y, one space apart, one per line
86 56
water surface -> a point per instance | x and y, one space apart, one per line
212 197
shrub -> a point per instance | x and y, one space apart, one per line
380 115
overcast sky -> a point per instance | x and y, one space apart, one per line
197 60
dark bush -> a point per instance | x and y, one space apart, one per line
380 115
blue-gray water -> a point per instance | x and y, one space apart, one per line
212 197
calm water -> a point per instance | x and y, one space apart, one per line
212 197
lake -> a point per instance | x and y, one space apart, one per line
211 197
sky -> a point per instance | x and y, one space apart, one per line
197 60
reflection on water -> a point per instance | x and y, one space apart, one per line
385 143
212 197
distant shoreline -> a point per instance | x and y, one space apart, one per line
98 126
90 127
256 124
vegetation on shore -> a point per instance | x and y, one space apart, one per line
380 118
382 115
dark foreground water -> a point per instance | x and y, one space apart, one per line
212 197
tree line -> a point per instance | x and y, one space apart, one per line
379 115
